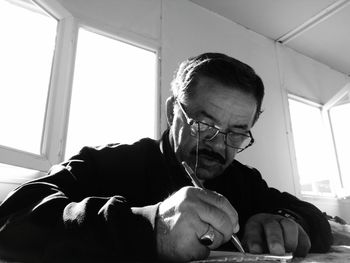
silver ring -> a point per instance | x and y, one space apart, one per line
208 238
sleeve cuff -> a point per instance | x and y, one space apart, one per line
294 216
148 212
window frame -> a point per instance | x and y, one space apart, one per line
63 49
54 133
127 38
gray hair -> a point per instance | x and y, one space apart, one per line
222 68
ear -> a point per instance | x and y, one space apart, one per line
170 110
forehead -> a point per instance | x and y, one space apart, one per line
226 105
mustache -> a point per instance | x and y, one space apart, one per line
211 154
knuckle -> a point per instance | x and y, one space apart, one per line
220 200
190 192
289 224
222 221
185 190
184 206
188 198
187 193
268 224
210 210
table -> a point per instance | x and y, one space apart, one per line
337 254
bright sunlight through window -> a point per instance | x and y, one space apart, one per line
314 154
339 115
26 51
114 93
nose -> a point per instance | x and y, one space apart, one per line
218 143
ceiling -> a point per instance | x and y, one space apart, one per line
319 29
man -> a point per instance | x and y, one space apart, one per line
135 202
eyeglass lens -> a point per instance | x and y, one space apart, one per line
235 140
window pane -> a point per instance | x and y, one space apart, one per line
26 51
114 93
341 131
312 148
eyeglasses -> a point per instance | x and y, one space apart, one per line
236 140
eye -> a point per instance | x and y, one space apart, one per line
240 132
203 127
238 136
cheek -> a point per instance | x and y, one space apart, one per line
230 155
183 141
179 133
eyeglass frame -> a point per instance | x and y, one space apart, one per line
190 121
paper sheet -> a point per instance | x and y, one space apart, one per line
228 256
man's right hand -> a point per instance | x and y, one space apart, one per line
186 216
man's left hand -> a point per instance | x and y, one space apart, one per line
276 235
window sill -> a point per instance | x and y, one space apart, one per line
319 198
10 179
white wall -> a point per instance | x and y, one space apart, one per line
129 17
188 29
198 30
179 29
308 78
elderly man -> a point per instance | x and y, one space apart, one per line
135 202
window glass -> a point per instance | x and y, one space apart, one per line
339 116
27 44
312 148
113 95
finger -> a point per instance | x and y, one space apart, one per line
290 234
208 235
274 237
178 237
219 201
218 219
252 238
201 202
208 238
188 251
192 248
304 243
212 238
218 240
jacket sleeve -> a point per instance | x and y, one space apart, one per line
58 217
306 214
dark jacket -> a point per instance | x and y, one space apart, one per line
101 205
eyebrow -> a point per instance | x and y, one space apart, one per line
236 126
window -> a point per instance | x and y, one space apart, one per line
114 93
314 153
45 110
26 51
322 144
338 110
339 116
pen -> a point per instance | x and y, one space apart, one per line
198 184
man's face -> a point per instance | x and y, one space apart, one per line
217 105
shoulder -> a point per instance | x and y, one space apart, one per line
114 153
245 176
144 144
243 170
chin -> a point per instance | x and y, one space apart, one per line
205 174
